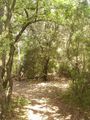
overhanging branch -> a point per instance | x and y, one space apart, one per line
27 24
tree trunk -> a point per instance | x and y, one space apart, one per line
2 71
45 69
6 82
7 85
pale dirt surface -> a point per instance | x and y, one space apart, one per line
45 102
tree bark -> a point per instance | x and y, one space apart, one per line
45 69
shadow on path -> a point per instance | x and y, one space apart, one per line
45 102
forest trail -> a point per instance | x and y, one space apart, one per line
44 101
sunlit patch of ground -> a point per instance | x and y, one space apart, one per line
45 102
45 112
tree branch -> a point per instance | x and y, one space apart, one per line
37 4
29 23
13 5
26 12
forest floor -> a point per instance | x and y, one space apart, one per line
44 101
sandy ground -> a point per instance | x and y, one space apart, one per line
45 102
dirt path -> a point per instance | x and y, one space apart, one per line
45 102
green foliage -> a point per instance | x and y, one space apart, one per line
31 63
65 70
21 101
78 95
60 24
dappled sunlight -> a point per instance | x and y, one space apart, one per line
68 117
39 112
43 108
28 89
36 116
54 84
42 84
44 100
40 95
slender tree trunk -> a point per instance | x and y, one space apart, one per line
45 69
7 85
2 71
2 95
6 82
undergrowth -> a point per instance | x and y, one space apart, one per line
77 98
15 109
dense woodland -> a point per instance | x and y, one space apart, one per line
45 40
